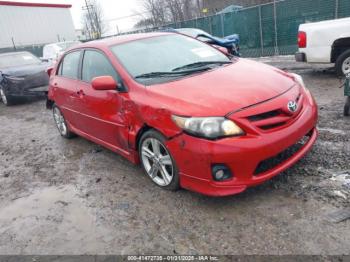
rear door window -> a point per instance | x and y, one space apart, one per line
69 67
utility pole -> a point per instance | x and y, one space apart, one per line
199 7
97 24
87 8
87 30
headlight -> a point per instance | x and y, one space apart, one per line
208 127
299 80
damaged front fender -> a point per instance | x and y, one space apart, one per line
151 118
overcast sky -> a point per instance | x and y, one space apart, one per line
112 9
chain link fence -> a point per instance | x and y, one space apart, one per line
269 29
264 30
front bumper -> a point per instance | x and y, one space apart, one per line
300 57
31 92
34 85
195 156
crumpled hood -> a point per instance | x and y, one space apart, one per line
222 90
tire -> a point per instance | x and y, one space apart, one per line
61 123
347 107
157 162
342 65
8 101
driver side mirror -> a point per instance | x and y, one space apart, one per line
104 83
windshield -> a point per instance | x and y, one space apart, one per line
165 54
18 59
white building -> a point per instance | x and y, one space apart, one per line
24 24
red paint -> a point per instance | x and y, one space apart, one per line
302 39
238 91
10 3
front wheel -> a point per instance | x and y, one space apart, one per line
5 98
157 161
61 123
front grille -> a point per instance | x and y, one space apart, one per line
264 116
272 126
275 161
276 118
270 120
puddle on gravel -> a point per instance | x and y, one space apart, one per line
52 217
343 178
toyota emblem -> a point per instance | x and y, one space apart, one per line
292 106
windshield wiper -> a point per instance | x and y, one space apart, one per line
172 74
204 63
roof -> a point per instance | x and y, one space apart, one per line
26 4
110 41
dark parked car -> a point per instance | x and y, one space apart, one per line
231 42
22 75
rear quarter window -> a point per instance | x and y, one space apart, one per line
70 65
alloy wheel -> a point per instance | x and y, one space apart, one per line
346 66
60 122
3 96
157 161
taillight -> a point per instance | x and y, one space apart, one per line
302 39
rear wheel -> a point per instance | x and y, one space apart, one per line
157 161
342 64
61 123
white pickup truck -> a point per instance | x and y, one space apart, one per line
326 42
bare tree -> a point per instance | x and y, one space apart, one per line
176 10
144 23
199 7
93 19
156 10
217 5
160 12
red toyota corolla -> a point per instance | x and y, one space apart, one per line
193 117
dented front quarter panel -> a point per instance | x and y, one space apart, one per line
142 110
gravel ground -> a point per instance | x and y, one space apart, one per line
62 196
